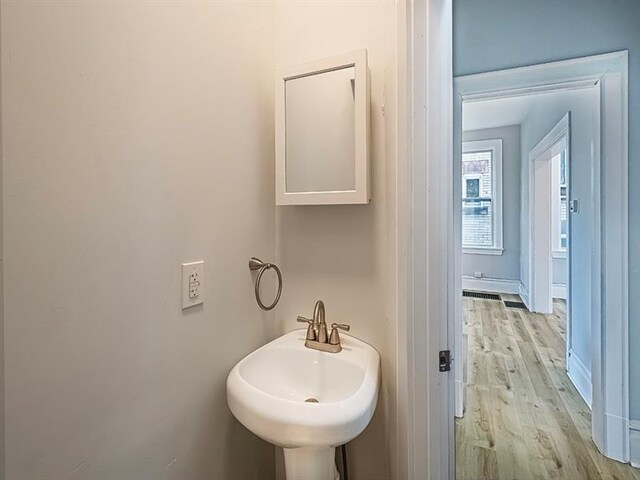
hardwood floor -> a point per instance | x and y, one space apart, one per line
523 417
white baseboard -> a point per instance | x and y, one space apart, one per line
580 376
634 442
559 290
524 295
616 437
495 285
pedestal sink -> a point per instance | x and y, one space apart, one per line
306 401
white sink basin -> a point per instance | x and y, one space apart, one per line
269 391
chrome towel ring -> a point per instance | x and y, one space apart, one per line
257 264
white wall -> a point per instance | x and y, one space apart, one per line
547 111
137 136
344 254
559 271
507 265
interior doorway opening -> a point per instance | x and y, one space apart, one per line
549 219
524 348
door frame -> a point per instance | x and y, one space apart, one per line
424 235
610 373
428 269
542 266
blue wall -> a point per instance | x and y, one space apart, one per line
507 265
497 34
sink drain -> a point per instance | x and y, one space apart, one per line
312 400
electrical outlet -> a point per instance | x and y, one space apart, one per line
478 274
192 284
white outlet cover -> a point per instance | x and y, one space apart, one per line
193 271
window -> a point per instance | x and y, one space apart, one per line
482 197
559 204
473 187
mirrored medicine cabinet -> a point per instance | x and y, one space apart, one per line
322 132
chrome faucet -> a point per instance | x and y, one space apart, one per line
316 337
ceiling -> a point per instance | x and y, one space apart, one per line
500 112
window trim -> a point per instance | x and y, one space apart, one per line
495 145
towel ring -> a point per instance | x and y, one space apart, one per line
257 264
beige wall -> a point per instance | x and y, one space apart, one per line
2 447
344 254
137 136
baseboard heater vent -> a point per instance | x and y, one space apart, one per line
515 305
487 296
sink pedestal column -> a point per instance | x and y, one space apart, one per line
311 463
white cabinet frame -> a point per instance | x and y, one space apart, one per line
361 194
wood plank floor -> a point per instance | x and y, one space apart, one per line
523 417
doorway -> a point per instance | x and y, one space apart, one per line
543 330
428 267
548 164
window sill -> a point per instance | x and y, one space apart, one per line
482 251
559 254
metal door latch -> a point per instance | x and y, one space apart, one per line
445 360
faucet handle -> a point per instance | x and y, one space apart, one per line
334 338
311 333
341 326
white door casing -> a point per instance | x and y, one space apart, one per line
540 214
